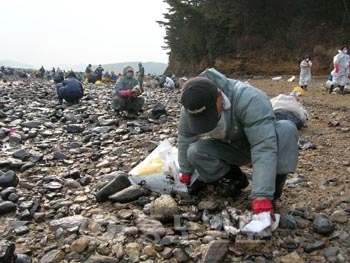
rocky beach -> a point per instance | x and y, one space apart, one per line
66 196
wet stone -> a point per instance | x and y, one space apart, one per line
9 179
323 225
31 124
7 207
119 182
287 221
4 194
75 128
128 194
22 230
21 154
7 251
315 246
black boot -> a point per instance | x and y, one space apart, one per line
233 182
279 183
305 87
341 90
331 89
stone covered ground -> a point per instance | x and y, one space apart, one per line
55 158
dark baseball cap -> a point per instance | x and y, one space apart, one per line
199 96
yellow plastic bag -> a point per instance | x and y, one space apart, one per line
298 91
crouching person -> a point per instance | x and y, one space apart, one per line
70 90
127 94
224 124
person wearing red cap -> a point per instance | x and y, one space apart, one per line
340 72
224 124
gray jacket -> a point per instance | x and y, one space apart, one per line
251 127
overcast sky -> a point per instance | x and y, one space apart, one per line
51 33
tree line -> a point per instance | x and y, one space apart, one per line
209 29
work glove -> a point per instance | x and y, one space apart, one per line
125 93
336 68
185 179
137 91
263 205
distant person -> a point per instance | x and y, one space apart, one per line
114 77
169 83
305 72
127 93
59 76
341 69
70 90
106 77
41 71
99 71
88 71
141 74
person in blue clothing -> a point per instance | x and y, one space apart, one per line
99 71
70 90
225 124
127 94
114 77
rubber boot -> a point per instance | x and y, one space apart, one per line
331 89
341 90
233 182
279 183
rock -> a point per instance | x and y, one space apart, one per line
128 194
80 244
101 259
53 256
7 251
67 222
315 246
291 257
164 209
323 225
120 182
216 252
9 179
339 216
181 255
7 207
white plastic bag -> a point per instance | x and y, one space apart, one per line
160 170
290 103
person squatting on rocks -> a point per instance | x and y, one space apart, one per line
88 71
305 72
127 93
224 124
341 69
70 90
169 83
141 74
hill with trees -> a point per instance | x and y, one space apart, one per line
254 36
